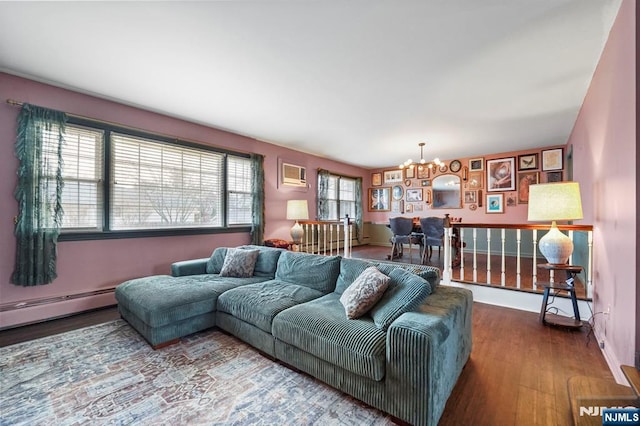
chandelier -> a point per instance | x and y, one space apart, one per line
422 163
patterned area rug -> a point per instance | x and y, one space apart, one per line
107 374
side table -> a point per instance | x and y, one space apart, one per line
568 286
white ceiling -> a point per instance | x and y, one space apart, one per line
361 81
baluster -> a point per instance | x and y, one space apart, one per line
518 265
488 255
475 255
313 237
446 274
461 231
589 264
503 274
347 237
534 273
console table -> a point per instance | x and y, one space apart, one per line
568 286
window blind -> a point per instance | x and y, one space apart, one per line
239 190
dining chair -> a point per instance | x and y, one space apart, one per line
402 230
433 235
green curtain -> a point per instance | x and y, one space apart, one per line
257 209
323 194
359 220
39 194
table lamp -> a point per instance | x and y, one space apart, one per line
555 201
297 210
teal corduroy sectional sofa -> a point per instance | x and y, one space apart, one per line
403 356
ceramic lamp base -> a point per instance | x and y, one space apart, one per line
297 233
555 246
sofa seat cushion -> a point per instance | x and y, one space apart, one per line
321 328
161 299
257 304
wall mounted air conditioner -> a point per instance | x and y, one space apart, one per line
293 175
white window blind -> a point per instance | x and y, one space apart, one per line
82 198
156 185
239 190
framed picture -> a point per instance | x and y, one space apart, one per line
414 195
495 203
470 197
379 199
407 182
410 172
397 192
409 208
528 161
418 207
397 206
524 180
476 164
554 177
392 176
475 180
427 196
423 172
376 179
501 174
426 182
552 159
511 199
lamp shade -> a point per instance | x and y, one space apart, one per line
555 201
297 210
551 202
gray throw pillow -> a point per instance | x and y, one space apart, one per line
364 292
239 263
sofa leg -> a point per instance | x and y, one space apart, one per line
164 344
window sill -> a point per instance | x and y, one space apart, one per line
148 233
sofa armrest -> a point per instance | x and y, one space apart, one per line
189 267
426 351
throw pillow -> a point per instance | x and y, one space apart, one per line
239 263
405 293
364 292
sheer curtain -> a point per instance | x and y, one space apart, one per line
257 208
323 194
39 194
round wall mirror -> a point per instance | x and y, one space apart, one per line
446 192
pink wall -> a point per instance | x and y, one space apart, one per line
604 140
512 214
85 266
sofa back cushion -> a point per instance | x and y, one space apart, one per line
310 270
266 263
350 269
406 291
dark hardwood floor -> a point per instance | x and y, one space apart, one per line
517 373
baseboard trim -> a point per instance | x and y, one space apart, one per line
5 307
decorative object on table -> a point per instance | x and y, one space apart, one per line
495 203
414 195
397 192
455 166
552 159
511 199
379 199
528 161
476 164
501 174
553 202
376 179
470 197
554 177
525 179
426 182
297 210
475 180
422 164
392 176
407 182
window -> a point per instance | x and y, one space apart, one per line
341 197
116 182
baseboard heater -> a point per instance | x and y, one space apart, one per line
47 300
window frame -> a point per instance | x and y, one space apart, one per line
338 200
106 233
